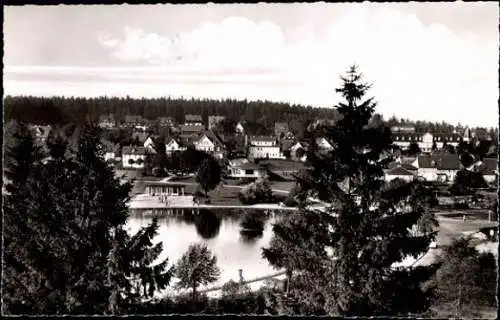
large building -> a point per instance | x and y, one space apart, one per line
193 120
438 167
264 147
425 141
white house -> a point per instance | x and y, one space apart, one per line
293 151
239 128
264 147
399 173
133 157
488 168
440 167
149 144
242 168
425 141
193 120
211 144
173 145
323 144
107 121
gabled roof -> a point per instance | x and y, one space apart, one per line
399 171
213 137
262 138
441 162
489 166
134 150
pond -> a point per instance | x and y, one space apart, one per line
220 230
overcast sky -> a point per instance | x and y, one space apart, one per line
427 61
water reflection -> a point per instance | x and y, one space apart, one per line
220 230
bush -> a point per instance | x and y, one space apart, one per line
257 192
290 202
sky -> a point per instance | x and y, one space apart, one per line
425 61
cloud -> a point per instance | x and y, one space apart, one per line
419 70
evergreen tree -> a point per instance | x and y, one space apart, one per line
342 258
61 223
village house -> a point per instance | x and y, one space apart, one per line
214 120
132 121
40 133
166 122
107 121
193 120
210 143
399 172
488 167
293 151
174 144
149 143
264 147
133 157
442 168
243 169
240 129
280 128
191 129
323 144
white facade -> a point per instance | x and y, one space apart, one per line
205 144
427 141
447 176
173 146
109 155
126 158
490 178
149 143
239 128
265 152
429 174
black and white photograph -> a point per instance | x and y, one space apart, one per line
271 159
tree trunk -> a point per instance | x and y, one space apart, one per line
194 292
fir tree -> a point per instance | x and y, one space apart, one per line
342 257
62 227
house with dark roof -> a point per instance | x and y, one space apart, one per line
173 144
403 139
488 167
133 157
210 143
398 172
442 168
191 129
243 169
193 120
282 169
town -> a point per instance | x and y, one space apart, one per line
269 159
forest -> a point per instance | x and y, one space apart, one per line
63 110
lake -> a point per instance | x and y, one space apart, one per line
220 231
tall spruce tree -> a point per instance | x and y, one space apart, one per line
342 258
67 250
